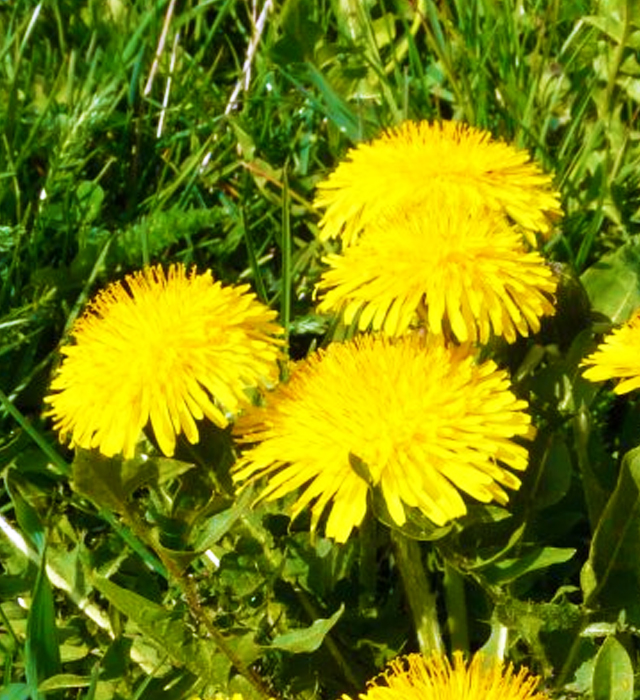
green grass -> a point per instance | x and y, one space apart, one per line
108 163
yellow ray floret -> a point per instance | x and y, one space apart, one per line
618 357
412 166
425 419
416 677
168 349
465 270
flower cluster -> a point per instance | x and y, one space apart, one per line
438 224
435 220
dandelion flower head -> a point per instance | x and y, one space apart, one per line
422 165
618 357
415 677
166 348
425 420
466 270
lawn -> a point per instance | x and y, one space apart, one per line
319 349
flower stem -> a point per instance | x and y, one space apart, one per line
456 606
190 593
421 599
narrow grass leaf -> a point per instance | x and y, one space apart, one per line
64 680
336 108
285 248
26 515
41 646
93 686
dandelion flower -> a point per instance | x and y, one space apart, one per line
415 677
424 419
419 164
169 349
618 357
465 269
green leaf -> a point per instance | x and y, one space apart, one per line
361 468
336 107
553 479
308 639
156 470
169 632
41 646
540 558
90 197
613 283
300 33
110 481
93 686
64 680
613 672
595 466
26 515
611 576
217 526
99 478
309 323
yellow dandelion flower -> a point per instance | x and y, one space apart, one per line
465 269
418 163
169 349
424 419
415 677
618 357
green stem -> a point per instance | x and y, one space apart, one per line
571 657
422 600
456 605
618 55
189 591
285 247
